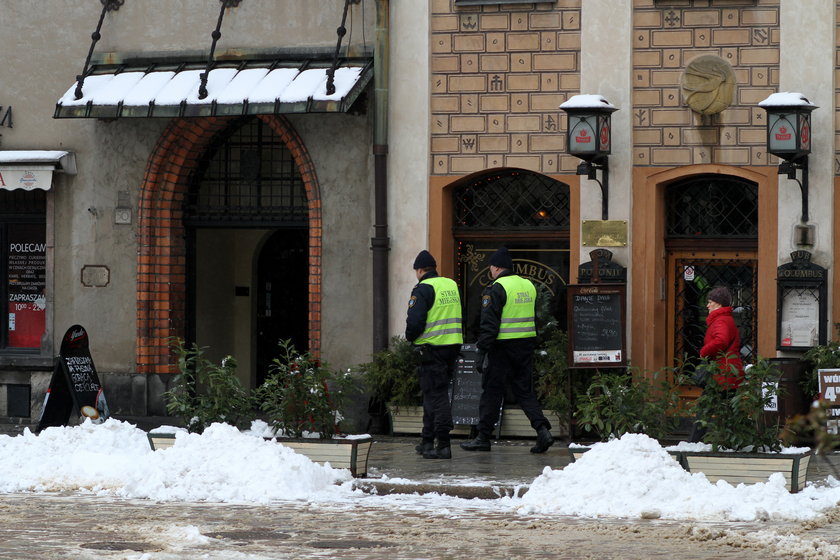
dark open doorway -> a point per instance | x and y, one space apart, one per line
282 295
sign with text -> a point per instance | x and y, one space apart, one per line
829 387
466 387
596 325
26 273
74 384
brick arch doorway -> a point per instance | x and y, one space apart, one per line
165 286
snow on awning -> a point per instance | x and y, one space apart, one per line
246 89
33 169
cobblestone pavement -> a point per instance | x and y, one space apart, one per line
48 527
73 526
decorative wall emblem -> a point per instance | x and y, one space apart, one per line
708 85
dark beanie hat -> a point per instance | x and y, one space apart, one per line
720 295
501 258
424 260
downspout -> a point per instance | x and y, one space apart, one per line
380 243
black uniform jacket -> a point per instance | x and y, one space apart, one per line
422 299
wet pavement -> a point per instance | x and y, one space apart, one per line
506 470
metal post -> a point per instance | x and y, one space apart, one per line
380 243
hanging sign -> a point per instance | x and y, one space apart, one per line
74 384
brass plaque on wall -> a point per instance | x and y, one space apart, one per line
604 233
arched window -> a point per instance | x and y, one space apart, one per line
512 199
712 206
247 178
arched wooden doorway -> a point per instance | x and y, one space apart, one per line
528 213
711 239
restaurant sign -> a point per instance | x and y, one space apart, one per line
26 178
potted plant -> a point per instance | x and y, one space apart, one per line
745 441
202 393
392 380
300 397
617 403
823 356
205 392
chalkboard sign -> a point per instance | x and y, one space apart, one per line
466 387
74 384
597 325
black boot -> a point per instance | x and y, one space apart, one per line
442 451
480 443
425 446
544 441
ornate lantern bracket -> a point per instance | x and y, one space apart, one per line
588 137
789 137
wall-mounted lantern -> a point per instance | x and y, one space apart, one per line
789 136
589 138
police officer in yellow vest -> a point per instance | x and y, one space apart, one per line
507 333
434 326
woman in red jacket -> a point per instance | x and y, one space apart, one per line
722 344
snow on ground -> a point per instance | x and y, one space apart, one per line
630 477
635 477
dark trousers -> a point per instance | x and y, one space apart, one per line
509 362
436 370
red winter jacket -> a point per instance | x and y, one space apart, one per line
723 344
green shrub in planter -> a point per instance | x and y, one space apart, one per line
824 356
620 403
551 372
735 419
205 392
301 394
392 375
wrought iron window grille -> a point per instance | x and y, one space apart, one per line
515 200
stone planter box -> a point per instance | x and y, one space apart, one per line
749 468
738 468
351 454
575 453
408 420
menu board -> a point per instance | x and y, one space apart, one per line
26 271
597 325
74 384
466 388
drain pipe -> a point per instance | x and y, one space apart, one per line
380 243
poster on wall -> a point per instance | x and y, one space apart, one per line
26 270
800 318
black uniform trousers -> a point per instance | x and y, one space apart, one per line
509 362
436 370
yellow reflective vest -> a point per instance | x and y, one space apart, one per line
443 320
518 319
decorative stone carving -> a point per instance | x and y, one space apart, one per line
708 84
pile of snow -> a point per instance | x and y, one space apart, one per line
630 477
633 476
114 458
